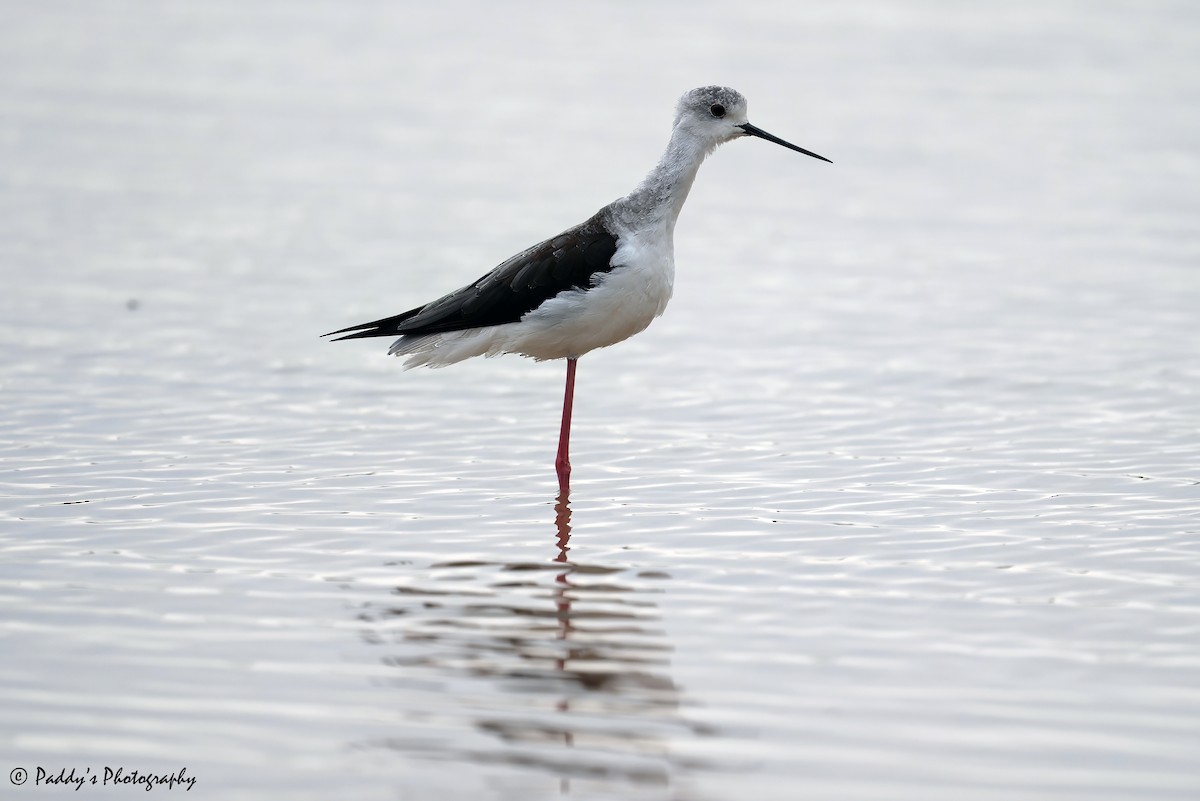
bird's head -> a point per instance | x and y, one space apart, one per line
717 114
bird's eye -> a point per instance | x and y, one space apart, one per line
717 110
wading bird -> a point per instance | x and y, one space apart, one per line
591 286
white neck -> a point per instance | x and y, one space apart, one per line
659 198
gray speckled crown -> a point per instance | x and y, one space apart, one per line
702 98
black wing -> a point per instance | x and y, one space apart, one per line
509 292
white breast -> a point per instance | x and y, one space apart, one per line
622 303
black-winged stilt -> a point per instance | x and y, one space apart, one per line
589 287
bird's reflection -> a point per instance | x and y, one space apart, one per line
560 664
562 600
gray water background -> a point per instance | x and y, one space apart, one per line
899 500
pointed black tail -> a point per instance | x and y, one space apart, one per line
387 327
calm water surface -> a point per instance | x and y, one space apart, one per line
898 501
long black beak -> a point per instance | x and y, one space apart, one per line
761 134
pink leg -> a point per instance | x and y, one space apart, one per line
563 462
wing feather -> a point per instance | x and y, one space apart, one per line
516 287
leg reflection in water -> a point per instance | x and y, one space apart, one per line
562 600
556 666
